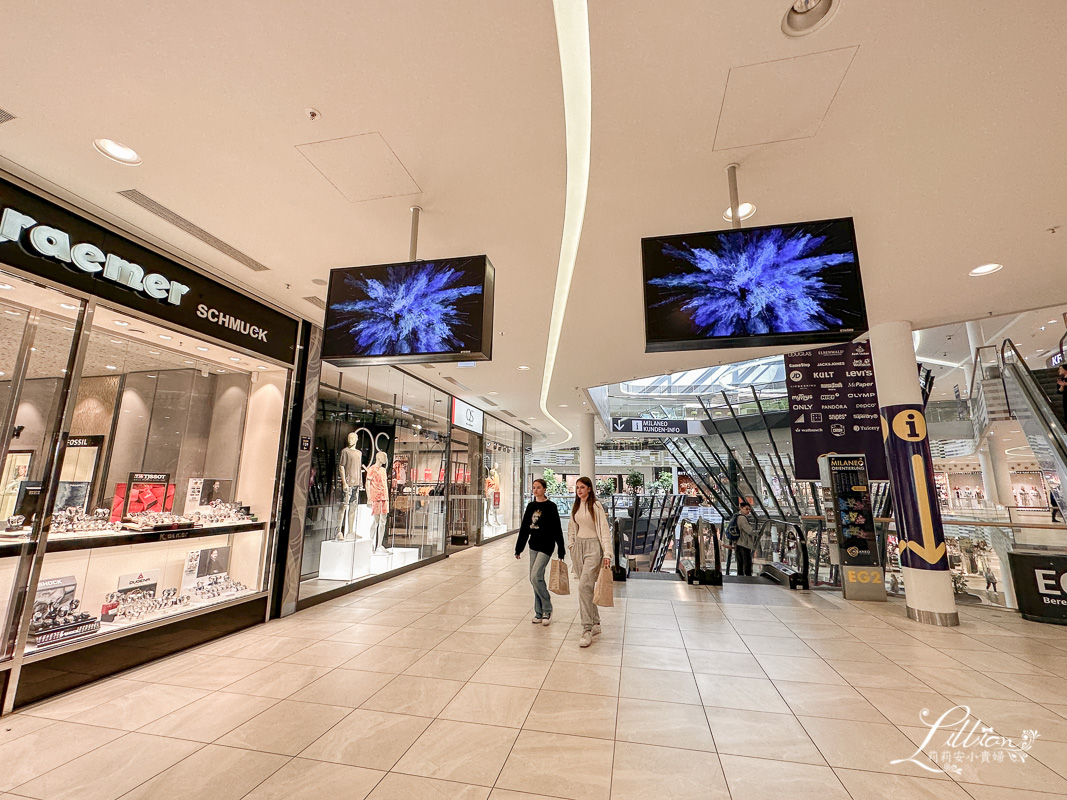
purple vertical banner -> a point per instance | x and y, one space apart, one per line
911 475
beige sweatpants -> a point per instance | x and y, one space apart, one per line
588 558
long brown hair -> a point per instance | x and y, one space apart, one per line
590 499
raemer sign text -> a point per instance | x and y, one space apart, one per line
54 243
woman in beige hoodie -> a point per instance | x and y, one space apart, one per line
589 541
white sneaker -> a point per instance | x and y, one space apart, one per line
537 620
547 620
596 630
587 639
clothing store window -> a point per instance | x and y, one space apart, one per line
502 467
376 499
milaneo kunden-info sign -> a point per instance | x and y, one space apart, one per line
833 408
49 241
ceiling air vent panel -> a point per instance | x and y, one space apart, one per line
180 222
318 302
6 116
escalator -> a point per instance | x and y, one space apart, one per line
1030 404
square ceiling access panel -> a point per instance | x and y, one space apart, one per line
361 167
780 100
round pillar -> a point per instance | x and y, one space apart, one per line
923 557
587 447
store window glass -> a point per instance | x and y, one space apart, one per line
37 327
166 485
503 478
376 501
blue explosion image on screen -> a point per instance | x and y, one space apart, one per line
407 309
753 282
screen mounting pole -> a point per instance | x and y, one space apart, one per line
735 212
413 242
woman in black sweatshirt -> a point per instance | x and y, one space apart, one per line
541 526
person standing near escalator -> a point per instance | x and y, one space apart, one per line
746 541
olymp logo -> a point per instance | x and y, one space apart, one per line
54 243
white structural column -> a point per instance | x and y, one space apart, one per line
927 582
587 446
989 477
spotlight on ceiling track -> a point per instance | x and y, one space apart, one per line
807 16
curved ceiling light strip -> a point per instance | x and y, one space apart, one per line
572 36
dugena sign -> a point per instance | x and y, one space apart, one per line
47 240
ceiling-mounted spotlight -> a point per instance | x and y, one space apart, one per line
744 211
807 16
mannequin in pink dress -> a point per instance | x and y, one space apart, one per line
378 497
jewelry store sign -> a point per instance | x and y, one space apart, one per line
833 408
49 241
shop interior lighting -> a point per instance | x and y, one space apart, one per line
122 323
572 38
744 210
117 152
986 269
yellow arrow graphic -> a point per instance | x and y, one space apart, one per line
926 551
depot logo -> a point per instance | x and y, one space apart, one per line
53 243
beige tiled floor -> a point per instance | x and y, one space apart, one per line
434 685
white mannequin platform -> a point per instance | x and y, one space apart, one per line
345 560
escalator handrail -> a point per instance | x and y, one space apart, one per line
1039 402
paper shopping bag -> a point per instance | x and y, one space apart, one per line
602 592
558 580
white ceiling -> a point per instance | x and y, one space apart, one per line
940 136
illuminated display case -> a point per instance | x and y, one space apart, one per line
140 479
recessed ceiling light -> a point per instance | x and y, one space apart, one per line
202 349
153 352
110 366
187 362
67 329
122 322
746 210
220 370
68 306
807 16
117 152
4 373
151 376
165 336
15 313
492 394
234 358
261 367
523 367
986 269
6 286
562 405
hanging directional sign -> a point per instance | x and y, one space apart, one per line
653 427
911 469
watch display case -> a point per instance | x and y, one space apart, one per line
140 474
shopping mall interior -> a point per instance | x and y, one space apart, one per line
724 343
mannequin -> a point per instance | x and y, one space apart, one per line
378 496
350 471
492 488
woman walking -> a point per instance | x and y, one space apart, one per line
541 526
589 538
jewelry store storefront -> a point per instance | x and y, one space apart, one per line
145 412
399 474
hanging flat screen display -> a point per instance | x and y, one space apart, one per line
419 311
746 287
